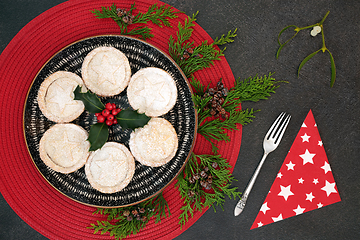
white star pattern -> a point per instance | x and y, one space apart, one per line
299 210
302 181
290 166
329 188
305 138
309 196
59 93
106 165
307 157
63 148
106 71
326 167
151 92
109 165
275 219
264 208
285 192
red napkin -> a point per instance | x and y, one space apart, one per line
304 182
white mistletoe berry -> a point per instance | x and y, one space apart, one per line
315 31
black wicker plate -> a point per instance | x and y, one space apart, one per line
147 181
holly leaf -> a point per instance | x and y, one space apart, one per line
91 101
131 119
98 136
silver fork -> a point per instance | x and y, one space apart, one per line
271 141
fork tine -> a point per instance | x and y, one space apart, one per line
282 129
270 143
274 127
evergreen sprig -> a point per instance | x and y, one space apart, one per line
251 89
206 179
214 130
158 15
199 169
203 55
122 222
225 39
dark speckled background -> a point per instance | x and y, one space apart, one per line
336 110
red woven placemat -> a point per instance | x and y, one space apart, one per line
25 190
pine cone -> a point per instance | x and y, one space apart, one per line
203 174
135 212
191 180
218 94
215 165
126 213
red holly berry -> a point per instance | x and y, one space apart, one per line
115 111
109 106
100 118
110 117
108 114
105 112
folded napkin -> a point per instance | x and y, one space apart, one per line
305 181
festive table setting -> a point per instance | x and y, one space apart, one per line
237 66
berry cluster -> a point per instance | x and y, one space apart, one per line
108 114
204 177
127 18
188 53
136 214
218 95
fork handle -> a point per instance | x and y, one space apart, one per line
241 204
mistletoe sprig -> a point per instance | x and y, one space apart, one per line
158 15
317 27
99 132
204 182
130 220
